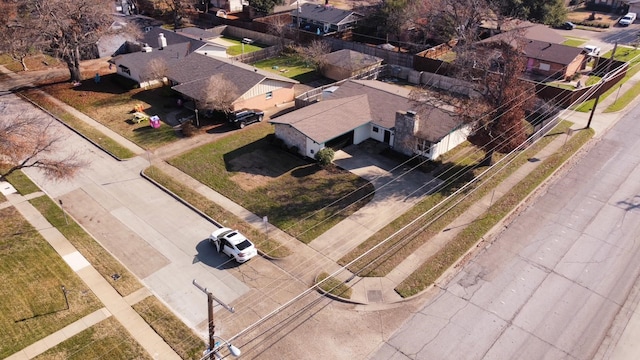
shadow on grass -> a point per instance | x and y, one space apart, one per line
261 158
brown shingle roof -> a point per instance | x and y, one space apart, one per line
357 102
328 119
349 59
554 53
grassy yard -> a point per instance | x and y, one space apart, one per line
215 211
174 332
34 62
240 48
88 247
632 56
575 42
298 197
387 256
22 183
111 103
105 340
32 304
291 66
80 126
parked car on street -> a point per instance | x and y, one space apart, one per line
627 19
233 243
567 25
592 50
244 117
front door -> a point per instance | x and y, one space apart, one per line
387 137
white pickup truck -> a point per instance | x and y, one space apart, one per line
627 19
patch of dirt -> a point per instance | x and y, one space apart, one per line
253 171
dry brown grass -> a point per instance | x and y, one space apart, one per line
32 304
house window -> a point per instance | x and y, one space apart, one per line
545 67
375 129
269 95
124 69
423 146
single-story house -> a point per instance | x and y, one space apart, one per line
553 60
149 66
324 19
201 41
345 63
255 88
369 109
229 6
632 5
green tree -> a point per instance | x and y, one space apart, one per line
543 11
265 6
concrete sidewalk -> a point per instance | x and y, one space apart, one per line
115 305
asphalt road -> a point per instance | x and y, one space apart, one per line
559 283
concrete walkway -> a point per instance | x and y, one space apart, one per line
115 305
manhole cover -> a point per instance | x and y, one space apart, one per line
374 296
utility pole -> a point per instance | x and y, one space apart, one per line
592 111
212 326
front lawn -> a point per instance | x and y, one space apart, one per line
111 103
106 339
32 303
298 197
575 42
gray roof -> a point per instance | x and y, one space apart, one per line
197 66
357 102
554 53
324 14
151 38
137 61
350 59
193 72
197 33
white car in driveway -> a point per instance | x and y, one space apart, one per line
592 50
234 244
627 19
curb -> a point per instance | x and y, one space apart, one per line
69 127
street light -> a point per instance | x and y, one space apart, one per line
232 349
197 121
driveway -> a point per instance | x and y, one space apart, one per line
397 189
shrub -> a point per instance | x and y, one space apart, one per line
188 129
325 156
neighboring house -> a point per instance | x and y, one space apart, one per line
323 19
369 109
632 5
553 60
201 41
526 29
149 66
544 55
229 6
345 63
255 88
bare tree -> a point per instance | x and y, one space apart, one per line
314 53
71 27
219 94
450 19
155 69
25 143
176 9
18 33
279 27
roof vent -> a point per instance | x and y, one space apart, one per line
411 113
162 41
146 48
